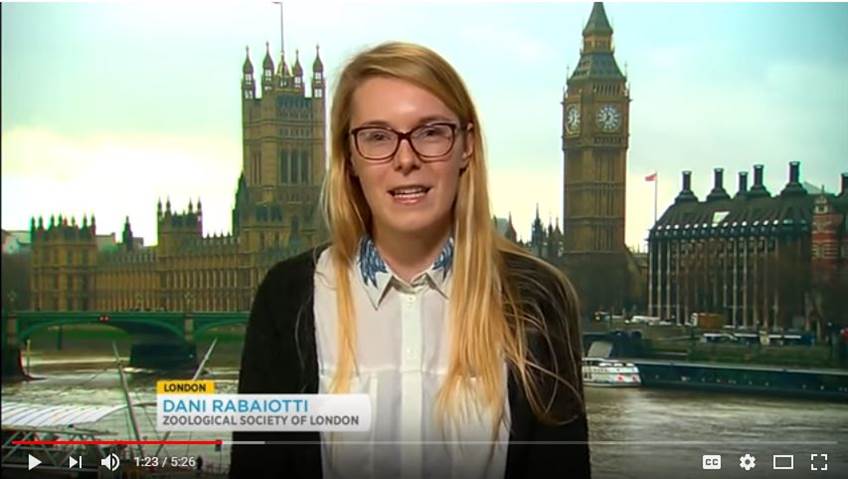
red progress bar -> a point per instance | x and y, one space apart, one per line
211 442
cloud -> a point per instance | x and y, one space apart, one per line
507 43
791 111
114 176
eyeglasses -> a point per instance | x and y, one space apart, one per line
431 142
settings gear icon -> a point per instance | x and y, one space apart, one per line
747 462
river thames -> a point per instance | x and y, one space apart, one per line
635 433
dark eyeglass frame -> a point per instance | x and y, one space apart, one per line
408 137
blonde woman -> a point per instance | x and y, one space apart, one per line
468 346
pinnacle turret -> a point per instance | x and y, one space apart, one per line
283 67
297 70
247 68
268 62
317 65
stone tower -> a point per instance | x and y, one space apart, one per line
283 157
595 128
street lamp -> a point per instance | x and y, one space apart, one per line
12 296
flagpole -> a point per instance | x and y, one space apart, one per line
656 181
282 37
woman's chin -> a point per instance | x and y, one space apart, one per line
411 224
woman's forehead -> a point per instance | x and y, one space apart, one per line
397 103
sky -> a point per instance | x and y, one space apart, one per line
108 107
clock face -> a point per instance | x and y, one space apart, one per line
608 118
572 119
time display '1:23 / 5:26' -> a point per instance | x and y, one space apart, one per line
175 461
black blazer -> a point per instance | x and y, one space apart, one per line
279 356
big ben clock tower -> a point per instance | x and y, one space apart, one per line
595 137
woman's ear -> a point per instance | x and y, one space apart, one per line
468 146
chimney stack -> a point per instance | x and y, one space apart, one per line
686 192
718 192
758 190
743 184
793 171
793 188
844 190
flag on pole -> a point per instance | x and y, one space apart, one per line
653 178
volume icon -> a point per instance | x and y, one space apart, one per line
111 462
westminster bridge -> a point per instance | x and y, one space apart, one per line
166 340
163 340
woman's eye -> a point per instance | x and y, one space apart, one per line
376 136
431 131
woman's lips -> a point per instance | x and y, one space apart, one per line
409 195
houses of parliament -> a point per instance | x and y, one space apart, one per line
276 202
275 216
754 276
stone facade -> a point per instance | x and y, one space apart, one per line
275 216
763 261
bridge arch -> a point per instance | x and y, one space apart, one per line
133 324
208 321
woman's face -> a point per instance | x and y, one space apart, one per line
405 193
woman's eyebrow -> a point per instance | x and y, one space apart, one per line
432 118
374 123
421 121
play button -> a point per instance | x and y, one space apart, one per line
33 461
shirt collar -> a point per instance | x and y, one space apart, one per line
376 275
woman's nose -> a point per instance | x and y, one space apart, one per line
406 159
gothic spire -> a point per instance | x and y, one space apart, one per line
317 65
297 70
598 23
247 68
283 68
268 62
596 57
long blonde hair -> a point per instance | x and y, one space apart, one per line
491 320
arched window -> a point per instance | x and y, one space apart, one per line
295 166
304 167
284 167
257 169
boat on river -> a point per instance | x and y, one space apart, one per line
610 373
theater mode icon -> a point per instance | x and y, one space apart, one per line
711 462
783 462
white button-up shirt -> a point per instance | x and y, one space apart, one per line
402 356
